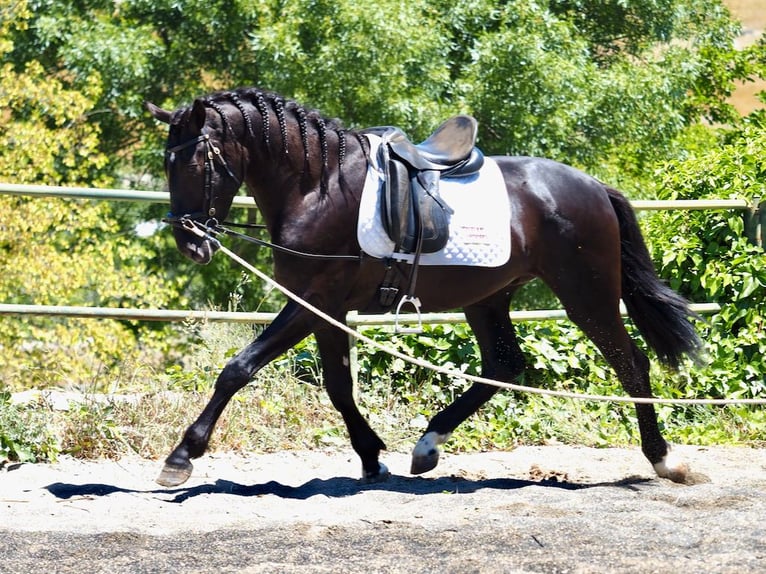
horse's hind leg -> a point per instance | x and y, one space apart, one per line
501 359
334 350
597 314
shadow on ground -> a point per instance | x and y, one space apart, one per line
335 487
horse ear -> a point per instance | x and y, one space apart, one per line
158 113
198 116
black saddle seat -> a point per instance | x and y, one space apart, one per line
451 143
450 149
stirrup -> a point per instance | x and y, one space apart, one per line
415 302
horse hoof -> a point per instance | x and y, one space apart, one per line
174 475
421 464
425 455
671 467
381 475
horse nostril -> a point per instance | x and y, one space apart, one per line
200 252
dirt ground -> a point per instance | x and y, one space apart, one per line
535 509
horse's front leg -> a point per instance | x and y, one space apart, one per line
291 326
334 350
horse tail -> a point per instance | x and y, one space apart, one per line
660 314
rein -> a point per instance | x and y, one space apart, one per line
282 249
213 229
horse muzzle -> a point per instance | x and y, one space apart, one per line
194 242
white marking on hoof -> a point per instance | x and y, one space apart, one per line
383 474
672 467
425 455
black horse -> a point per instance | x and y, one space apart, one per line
306 174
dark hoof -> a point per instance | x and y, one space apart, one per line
424 463
174 475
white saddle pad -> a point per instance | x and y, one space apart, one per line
480 227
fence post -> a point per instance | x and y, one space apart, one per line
754 219
353 353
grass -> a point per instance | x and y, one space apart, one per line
145 413
274 413
285 407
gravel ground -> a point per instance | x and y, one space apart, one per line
535 509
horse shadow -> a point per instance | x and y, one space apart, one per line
337 487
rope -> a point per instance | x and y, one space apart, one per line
473 378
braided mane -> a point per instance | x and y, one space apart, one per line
273 107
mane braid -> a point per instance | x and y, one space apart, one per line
263 109
363 142
246 116
341 147
217 107
322 126
303 126
265 103
279 110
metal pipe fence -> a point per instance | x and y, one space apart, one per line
101 194
249 203
755 220
353 319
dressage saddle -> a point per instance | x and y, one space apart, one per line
415 216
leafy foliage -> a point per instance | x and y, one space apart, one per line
560 78
609 85
56 251
708 257
25 435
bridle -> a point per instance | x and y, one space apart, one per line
205 221
212 154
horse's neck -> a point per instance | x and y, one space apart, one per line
286 193
278 184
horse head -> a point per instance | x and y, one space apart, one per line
201 180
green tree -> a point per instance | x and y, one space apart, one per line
62 251
576 80
708 257
568 80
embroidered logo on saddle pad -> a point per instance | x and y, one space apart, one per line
480 227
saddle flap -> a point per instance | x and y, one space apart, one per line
431 212
412 210
396 202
